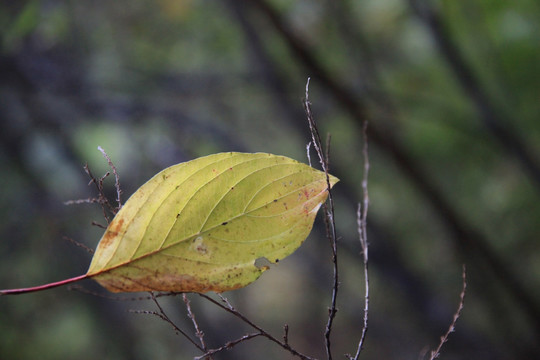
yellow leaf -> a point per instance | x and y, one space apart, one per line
210 224
202 225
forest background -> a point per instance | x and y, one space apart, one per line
451 91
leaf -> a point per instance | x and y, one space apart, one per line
208 224
202 225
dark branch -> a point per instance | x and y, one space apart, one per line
76 243
191 315
102 198
329 217
362 232
435 353
229 308
162 315
228 345
116 179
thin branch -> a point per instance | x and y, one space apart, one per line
82 201
308 150
95 223
102 198
229 308
286 334
165 318
116 179
76 243
162 315
362 232
227 345
191 315
327 152
314 131
329 218
435 353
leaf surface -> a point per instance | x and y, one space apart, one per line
202 225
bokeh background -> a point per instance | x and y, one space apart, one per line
451 91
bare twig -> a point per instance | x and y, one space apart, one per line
226 305
95 223
82 201
227 345
116 179
329 218
162 315
76 243
308 149
362 232
314 131
165 318
191 315
102 198
435 353
327 152
286 334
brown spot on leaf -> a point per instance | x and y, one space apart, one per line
165 282
112 232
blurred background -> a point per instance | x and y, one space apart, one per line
451 91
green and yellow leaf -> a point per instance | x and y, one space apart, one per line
204 225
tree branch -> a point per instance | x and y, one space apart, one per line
198 332
329 218
435 353
162 315
116 179
229 308
228 345
361 216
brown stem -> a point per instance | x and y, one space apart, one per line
42 287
